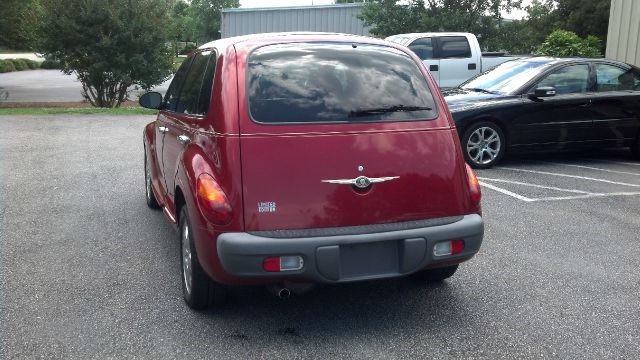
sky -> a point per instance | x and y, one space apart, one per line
272 3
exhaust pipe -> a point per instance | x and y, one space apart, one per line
284 293
286 289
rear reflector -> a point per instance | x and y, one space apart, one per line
282 263
448 248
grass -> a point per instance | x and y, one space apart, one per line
177 61
133 110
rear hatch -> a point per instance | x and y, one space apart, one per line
342 134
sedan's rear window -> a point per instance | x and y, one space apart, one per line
335 82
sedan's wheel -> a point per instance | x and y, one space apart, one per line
437 275
198 289
483 144
151 198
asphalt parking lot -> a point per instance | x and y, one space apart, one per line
50 86
88 271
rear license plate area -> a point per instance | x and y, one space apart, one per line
371 259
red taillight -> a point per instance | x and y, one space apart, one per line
271 264
283 263
445 248
212 201
474 186
457 246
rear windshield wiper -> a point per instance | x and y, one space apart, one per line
481 90
388 109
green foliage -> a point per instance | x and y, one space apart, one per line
585 17
18 23
564 43
188 48
182 23
389 17
50 64
480 17
19 64
110 45
6 66
206 15
483 18
32 64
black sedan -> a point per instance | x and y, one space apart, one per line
547 104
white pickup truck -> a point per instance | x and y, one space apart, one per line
452 58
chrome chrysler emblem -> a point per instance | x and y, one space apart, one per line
361 182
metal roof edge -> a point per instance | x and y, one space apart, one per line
280 8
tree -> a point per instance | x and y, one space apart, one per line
387 17
110 45
183 24
585 17
18 23
481 17
564 43
206 15
525 36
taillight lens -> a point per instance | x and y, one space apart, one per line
474 186
212 201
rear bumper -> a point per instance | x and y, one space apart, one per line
352 257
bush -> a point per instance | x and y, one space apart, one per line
50 64
32 64
187 49
564 43
19 64
6 66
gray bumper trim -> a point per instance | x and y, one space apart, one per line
353 257
356 230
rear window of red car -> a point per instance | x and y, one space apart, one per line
335 82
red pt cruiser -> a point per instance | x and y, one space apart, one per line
291 159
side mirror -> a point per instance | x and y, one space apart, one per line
151 100
544 91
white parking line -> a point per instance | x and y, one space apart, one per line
591 168
506 192
536 186
587 196
616 162
570 176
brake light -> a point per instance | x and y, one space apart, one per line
474 186
212 201
448 248
282 263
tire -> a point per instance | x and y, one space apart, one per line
432 276
152 202
483 145
198 289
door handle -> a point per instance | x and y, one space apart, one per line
585 105
183 139
433 67
471 66
163 129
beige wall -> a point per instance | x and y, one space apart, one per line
623 41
